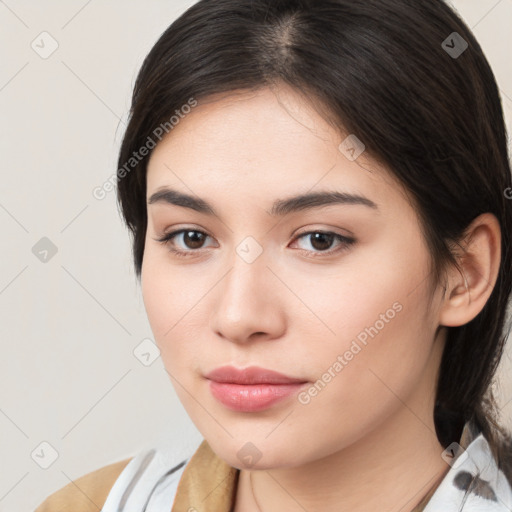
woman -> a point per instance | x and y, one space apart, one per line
318 192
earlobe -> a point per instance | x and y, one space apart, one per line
469 289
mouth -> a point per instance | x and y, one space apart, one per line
250 375
251 389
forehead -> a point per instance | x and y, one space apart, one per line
245 145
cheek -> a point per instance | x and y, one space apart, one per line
361 383
161 294
158 298
172 302
362 299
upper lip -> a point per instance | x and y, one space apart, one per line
250 375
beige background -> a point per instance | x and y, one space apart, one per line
70 326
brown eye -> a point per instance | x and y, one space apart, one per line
193 239
322 241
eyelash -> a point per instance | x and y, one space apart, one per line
345 242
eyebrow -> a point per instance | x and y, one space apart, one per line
279 208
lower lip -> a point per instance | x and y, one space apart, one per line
253 397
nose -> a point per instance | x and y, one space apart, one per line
249 303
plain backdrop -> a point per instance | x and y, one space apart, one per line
76 391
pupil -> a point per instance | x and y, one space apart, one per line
321 236
197 237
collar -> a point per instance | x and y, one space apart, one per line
474 483
208 483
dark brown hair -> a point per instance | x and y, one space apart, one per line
422 99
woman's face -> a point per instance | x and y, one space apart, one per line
349 316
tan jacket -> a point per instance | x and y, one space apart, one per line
85 494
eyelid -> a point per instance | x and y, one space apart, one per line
168 236
334 230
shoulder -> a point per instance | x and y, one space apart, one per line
87 493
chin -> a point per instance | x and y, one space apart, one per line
246 455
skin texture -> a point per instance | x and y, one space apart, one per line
367 440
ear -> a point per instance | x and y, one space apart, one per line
479 260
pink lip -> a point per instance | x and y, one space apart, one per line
250 375
251 389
